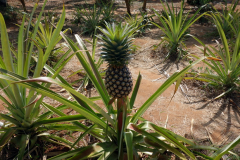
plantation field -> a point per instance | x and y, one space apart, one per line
191 112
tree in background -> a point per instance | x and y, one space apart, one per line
3 3
128 2
23 4
128 7
144 6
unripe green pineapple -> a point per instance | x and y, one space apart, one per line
115 50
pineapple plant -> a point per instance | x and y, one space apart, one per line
116 52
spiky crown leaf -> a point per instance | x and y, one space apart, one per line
117 42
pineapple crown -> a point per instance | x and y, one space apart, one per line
117 42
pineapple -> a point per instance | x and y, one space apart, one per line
115 50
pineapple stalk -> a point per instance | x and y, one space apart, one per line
121 117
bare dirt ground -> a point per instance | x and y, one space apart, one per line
189 113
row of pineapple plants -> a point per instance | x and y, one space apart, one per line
224 61
121 133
